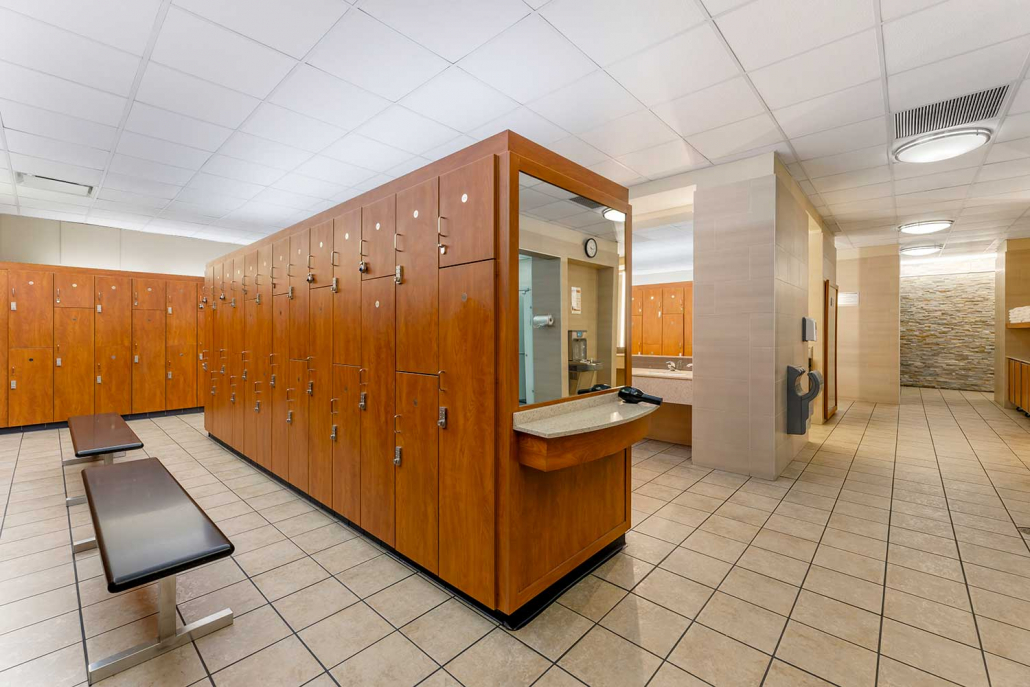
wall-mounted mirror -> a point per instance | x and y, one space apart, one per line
570 250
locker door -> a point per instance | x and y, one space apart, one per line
250 265
467 213
114 311
347 299
652 324
297 424
637 334
688 318
672 333
347 445
32 386
73 362
378 224
251 400
4 369
113 378
377 360
221 316
181 313
672 300
203 341
299 296
417 476
467 443
320 269
636 305
278 383
418 291
260 339
280 268
148 294
320 385
148 358
31 319
180 376
263 280
218 286
73 290
237 359
238 267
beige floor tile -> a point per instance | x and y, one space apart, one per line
933 654
931 616
311 604
928 586
786 544
36 640
718 659
646 548
241 597
554 631
691 517
498 660
696 566
838 619
286 663
852 590
268 557
716 546
671 676
760 590
344 556
676 593
63 668
1000 607
204 580
37 608
826 656
604 659
664 529
775 565
743 621
895 674
322 538
1006 673
646 624
344 634
447 630
256 538
248 634
177 668
391 662
556 677
365 579
624 571
931 563
408 599
592 597
785 675
440 678
289 578
1004 640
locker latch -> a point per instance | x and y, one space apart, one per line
363 401
14 306
100 308
257 299
244 376
57 362
169 374
441 419
203 366
169 310
362 267
135 358
398 274
257 406
232 397
204 299
335 285
332 435
397 455
223 369
271 382
311 388
221 296
310 278
290 293
289 417
213 391
233 302
98 379
14 384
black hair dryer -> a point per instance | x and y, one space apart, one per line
631 394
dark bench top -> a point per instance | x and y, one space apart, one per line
147 526
103 433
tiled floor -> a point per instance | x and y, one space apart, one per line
887 554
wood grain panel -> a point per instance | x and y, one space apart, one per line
347 299
636 330
636 307
467 212
148 357
31 397
236 356
73 361
320 269
281 266
250 264
181 313
652 325
347 447
672 299
257 396
180 376
31 318
378 224
299 301
203 353
113 378
418 476
672 333
688 318
148 294
320 383
263 279
279 382
418 337
378 342
4 369
73 290
297 427
114 311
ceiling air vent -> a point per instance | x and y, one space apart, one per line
51 184
947 113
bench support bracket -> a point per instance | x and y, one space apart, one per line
108 459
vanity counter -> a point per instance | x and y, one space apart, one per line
579 416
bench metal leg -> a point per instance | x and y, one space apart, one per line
74 500
168 638
108 458
84 545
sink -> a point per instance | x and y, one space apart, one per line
585 366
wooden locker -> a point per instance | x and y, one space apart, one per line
320 386
418 291
227 275
257 405
73 290
73 362
378 225
238 268
278 383
31 386
280 269
347 299
31 309
347 442
637 334
181 313
672 333
417 474
467 443
180 376
4 369
378 345
672 300
320 265
636 301
250 265
263 280
148 294
114 311
237 355
148 360
113 363
652 323
203 341
688 318
297 424
299 301
218 283
467 213
222 363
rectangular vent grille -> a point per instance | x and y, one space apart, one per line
948 113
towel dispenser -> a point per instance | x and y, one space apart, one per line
799 404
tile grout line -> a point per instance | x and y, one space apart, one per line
887 547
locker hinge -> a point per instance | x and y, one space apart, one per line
397 455
441 420
362 267
290 293
363 401
311 388
332 435
271 382
289 417
398 274
335 285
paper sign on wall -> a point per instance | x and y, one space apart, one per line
846 298
577 300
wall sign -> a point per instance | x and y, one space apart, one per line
577 300
846 298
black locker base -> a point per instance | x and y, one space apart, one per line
130 416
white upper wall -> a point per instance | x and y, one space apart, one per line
51 242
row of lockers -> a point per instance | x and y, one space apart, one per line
661 319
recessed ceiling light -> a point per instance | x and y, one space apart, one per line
942 146
925 227
613 215
917 251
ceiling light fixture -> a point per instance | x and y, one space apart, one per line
925 227
943 145
51 184
613 215
918 251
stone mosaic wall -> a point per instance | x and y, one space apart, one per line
947 331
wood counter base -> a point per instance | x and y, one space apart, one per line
673 422
575 449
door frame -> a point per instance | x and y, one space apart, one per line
828 410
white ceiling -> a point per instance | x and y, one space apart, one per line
229 119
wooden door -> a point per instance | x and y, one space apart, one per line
378 225
73 361
31 390
218 283
148 361
227 278
299 301
73 290
637 334
320 386
378 344
181 313
113 392
297 424
652 323
258 402
636 301
263 280
467 443
347 299
180 376
239 267
237 364
280 269
114 311
347 442
467 213
320 265
672 300
203 341
148 294
418 291
250 390
221 315
417 475
4 369
672 333
250 265
688 318
31 309
278 383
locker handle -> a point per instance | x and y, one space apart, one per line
395 235
310 266
332 435
332 406
440 382
271 382
334 258
397 424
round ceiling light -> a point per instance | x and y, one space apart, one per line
942 146
918 251
613 215
925 227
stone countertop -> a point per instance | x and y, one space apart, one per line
579 416
672 387
662 374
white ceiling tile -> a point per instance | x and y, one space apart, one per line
524 122
850 137
373 56
715 7
334 171
738 137
957 76
289 199
236 188
171 126
924 197
458 100
146 169
124 24
407 167
358 150
119 220
768 31
188 212
263 152
665 159
373 182
834 67
289 128
198 47
451 29
1000 186
213 204
401 128
137 145
33 44
54 169
528 60
63 213
452 146
1021 101
577 150
1015 126
959 177
264 212
1009 150
1004 170
290 27
172 90
656 75
830 111
587 103
323 96
133 199
298 183
50 93
54 125
724 103
849 195
866 158
60 151
140 186
173 228
619 173
81 202
629 134
251 172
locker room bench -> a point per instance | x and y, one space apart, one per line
99 437
149 529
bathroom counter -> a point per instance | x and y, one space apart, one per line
579 416
672 387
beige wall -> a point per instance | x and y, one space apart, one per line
52 242
869 334
1013 292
